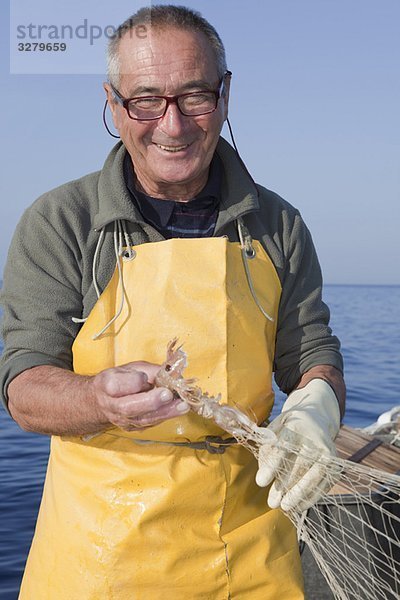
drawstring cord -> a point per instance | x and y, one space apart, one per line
95 259
248 252
94 277
120 236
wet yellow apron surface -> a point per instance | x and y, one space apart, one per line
122 519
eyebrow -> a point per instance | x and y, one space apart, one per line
194 85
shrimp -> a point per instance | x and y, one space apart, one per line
227 417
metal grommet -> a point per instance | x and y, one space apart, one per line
250 253
128 255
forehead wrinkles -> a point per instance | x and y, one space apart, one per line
166 52
147 58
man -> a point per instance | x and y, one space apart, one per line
138 501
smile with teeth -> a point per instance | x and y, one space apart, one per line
172 148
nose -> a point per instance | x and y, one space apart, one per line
173 123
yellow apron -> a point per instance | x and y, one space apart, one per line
122 519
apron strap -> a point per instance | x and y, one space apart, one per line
212 443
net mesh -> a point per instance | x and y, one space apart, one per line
353 532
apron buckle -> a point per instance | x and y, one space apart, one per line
214 444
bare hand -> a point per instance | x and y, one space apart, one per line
127 398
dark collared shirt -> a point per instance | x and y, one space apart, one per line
196 218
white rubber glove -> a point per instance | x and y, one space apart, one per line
305 430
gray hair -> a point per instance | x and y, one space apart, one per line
162 16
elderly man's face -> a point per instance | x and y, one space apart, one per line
171 155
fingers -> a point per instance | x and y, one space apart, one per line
150 369
307 491
148 408
270 461
299 475
275 496
299 485
144 409
173 409
126 397
137 404
315 494
313 485
295 469
287 469
127 379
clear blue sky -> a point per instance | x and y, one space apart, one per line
314 107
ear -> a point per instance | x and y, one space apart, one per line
112 103
227 87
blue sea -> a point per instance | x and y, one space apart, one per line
366 319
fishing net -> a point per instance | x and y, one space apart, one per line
353 531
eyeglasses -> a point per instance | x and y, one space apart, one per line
193 104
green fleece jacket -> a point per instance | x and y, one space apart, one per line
48 275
